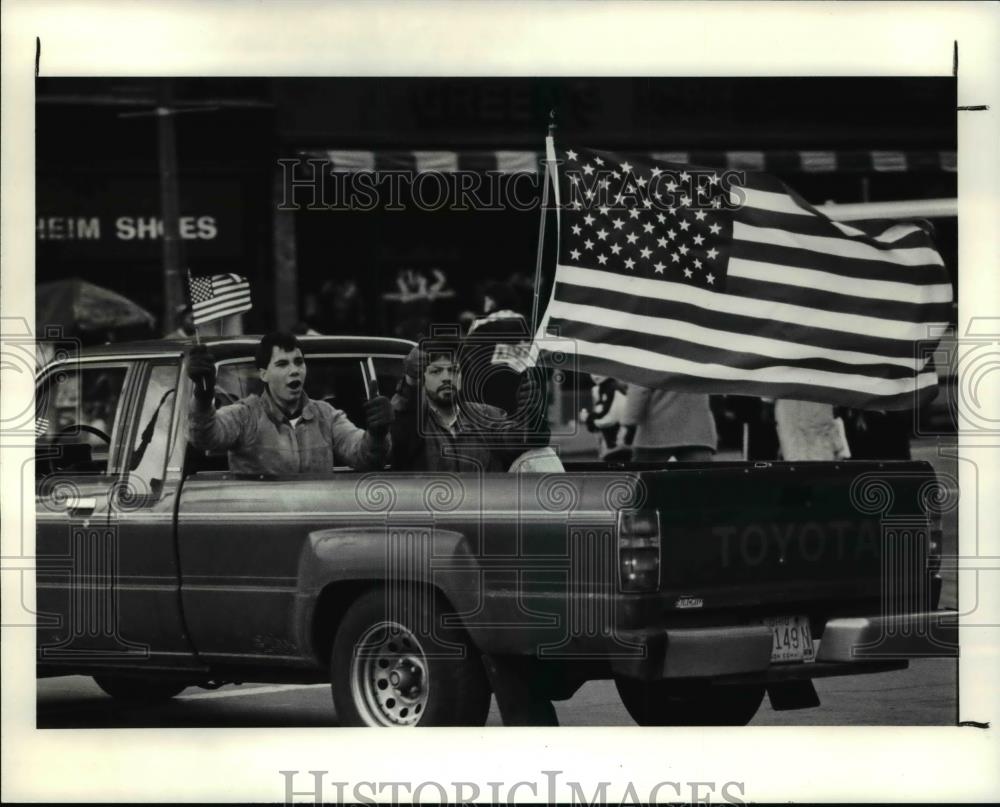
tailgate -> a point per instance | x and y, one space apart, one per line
777 534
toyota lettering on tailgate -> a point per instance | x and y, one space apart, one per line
809 541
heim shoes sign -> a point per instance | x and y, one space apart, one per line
119 219
123 228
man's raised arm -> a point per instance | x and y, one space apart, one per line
210 429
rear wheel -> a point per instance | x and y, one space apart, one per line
138 690
683 703
386 671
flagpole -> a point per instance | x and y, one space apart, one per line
541 226
197 340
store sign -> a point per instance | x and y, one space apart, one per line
123 228
92 217
448 110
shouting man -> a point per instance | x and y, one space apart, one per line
283 431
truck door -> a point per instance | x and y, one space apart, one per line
80 408
142 511
108 587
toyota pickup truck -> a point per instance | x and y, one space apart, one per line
697 588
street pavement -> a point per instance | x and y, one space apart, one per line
924 695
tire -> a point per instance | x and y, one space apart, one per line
405 676
138 690
682 703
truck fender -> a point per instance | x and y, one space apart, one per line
338 564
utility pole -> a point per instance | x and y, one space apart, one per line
163 106
169 207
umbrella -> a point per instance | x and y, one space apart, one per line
80 305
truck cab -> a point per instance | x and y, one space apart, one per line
111 457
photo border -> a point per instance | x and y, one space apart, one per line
511 38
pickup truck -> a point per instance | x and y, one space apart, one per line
697 588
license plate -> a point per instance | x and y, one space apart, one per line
791 638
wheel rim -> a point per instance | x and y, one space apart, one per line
390 680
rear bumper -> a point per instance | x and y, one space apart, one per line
934 633
848 647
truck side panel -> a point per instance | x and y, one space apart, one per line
256 554
530 561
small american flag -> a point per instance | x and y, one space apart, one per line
674 276
41 427
217 296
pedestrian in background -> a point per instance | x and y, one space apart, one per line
662 425
808 431
604 417
185 328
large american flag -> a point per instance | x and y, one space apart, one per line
217 296
674 276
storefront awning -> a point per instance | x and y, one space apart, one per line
779 162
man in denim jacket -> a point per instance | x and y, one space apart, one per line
283 431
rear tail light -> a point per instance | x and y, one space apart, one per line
638 550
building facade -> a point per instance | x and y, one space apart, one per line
377 205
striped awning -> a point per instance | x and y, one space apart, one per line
778 162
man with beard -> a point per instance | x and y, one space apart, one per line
283 431
433 430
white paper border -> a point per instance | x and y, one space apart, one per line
465 38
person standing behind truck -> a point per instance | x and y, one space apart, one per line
808 431
661 425
604 416
282 430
